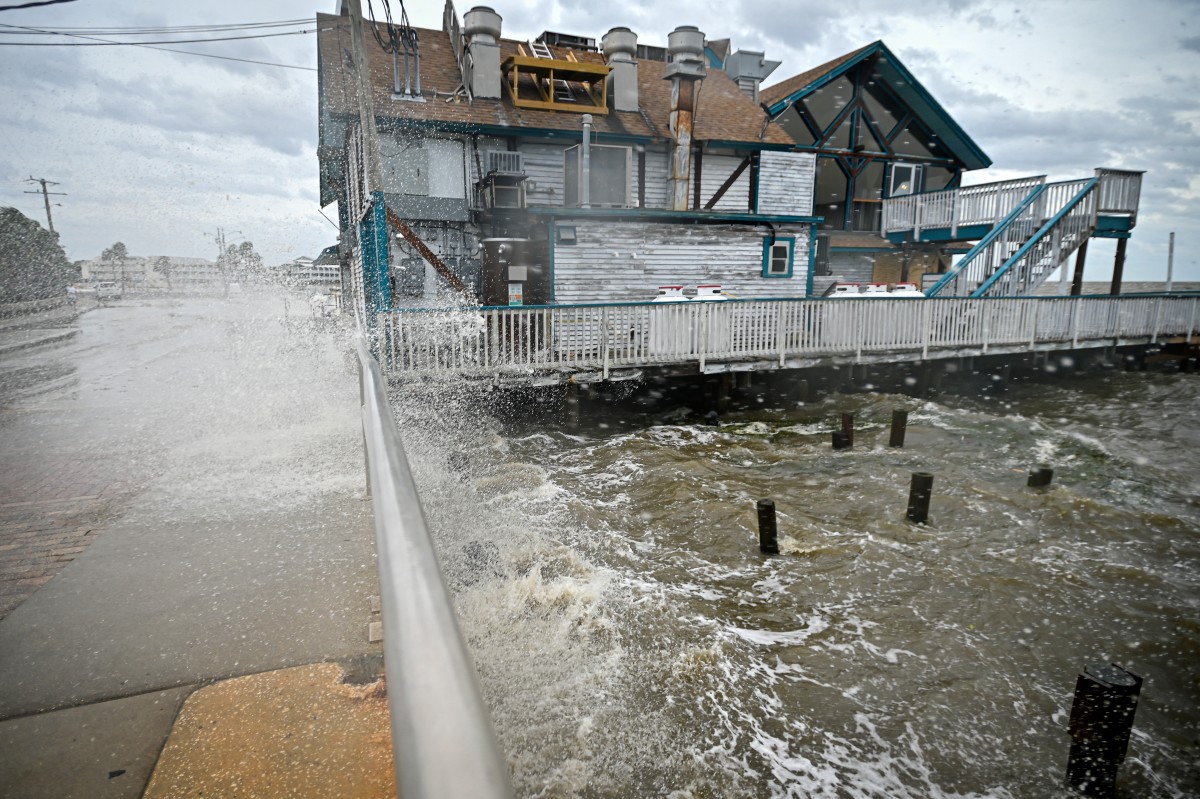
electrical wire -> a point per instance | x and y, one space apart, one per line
169 41
187 52
35 4
168 29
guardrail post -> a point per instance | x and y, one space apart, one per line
1075 324
1157 310
919 492
604 323
768 535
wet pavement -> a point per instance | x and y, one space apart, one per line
180 503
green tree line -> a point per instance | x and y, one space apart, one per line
33 265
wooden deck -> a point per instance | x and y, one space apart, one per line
585 343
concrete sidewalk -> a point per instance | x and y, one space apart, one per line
238 542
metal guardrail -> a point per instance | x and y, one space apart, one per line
442 736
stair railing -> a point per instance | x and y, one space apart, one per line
1071 206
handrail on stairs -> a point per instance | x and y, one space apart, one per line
987 241
1020 254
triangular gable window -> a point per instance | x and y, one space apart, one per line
915 140
883 109
796 127
867 140
827 102
841 137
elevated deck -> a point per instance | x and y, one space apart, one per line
588 343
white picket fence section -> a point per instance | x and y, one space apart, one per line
768 333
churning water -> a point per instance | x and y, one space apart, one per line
632 641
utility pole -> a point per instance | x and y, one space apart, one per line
366 100
46 196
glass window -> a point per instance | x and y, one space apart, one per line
840 140
867 141
832 187
915 140
777 257
906 179
937 178
882 108
828 101
795 127
868 184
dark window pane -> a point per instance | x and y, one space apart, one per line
840 140
795 127
828 101
883 109
832 186
866 139
937 178
914 140
868 184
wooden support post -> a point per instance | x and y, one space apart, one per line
1080 260
768 535
919 492
899 425
1106 699
848 427
1118 266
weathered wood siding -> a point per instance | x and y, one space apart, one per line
714 171
544 166
658 171
785 183
628 261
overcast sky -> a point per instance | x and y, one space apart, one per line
159 150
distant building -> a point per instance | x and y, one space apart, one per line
304 271
139 273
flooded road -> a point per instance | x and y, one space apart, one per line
632 641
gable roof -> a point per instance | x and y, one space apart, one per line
724 113
899 81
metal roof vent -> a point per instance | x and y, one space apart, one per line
685 51
620 47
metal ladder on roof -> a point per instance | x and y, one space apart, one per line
562 90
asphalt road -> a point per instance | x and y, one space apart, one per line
181 485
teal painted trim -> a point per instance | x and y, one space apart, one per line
662 214
779 105
746 145
987 240
1112 234
1114 223
1027 246
390 124
924 94
937 234
767 244
712 59
812 260
373 241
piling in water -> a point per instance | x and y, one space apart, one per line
768 538
848 427
841 440
1106 698
919 492
1040 477
899 425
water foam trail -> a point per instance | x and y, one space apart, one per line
633 643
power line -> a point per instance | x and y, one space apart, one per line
170 41
35 4
144 30
184 52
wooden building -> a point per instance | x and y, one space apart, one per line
584 173
566 171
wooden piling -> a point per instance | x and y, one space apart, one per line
899 426
919 492
768 535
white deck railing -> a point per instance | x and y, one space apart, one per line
985 204
601 338
1120 191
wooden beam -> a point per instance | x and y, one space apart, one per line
412 238
1118 266
729 181
1080 260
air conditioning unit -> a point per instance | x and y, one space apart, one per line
506 195
505 161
